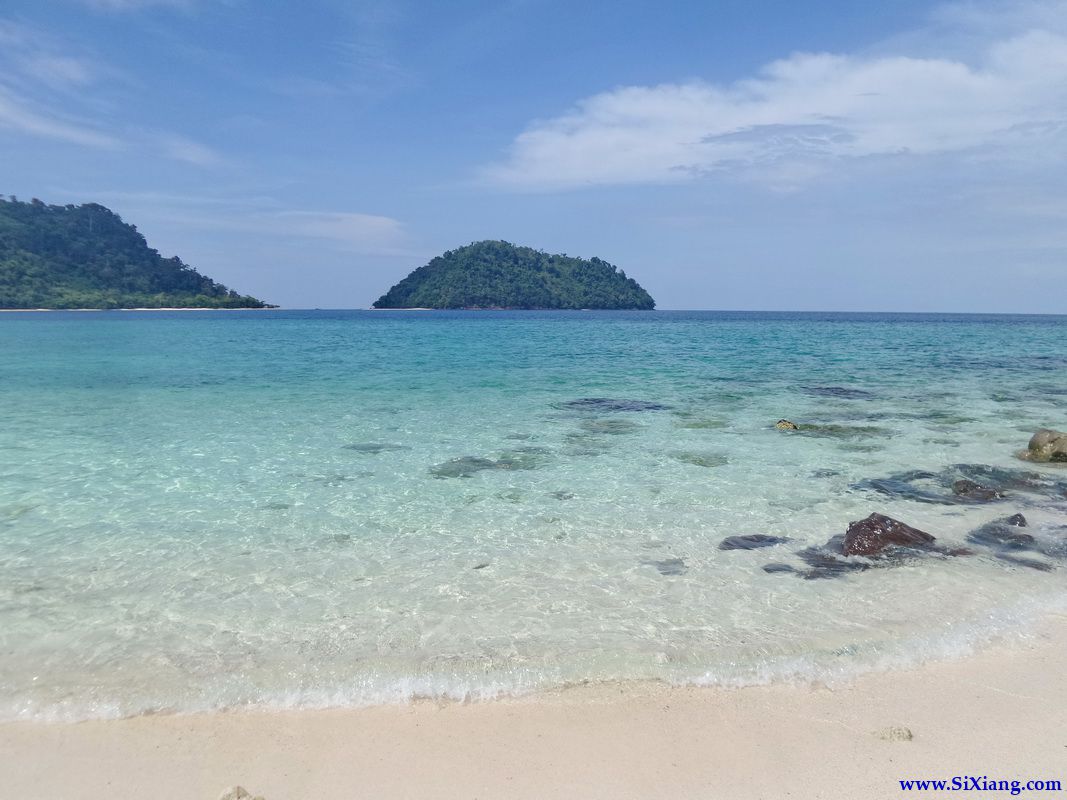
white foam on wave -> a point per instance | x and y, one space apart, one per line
1009 626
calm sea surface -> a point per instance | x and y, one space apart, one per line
208 510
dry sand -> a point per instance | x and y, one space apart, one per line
1002 714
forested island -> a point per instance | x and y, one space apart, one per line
494 274
85 256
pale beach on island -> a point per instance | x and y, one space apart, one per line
999 715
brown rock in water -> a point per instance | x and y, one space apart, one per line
786 425
874 534
974 491
1046 445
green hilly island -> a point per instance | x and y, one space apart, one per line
494 274
85 256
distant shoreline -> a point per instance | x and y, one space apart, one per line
181 308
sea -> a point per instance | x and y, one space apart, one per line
312 509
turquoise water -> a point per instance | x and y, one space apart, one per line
209 510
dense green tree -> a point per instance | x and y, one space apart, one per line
494 274
87 257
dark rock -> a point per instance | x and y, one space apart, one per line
605 404
1046 445
786 425
973 491
668 566
875 542
1031 563
827 561
463 467
877 532
825 473
838 391
563 495
1004 534
902 485
778 567
751 541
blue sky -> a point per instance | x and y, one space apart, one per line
814 156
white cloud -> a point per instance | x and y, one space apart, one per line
801 113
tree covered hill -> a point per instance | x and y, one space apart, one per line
493 274
87 257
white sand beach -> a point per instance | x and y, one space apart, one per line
1001 714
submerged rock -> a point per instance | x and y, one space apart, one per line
838 391
701 424
463 467
973 491
668 566
779 567
467 466
1046 445
374 447
701 459
827 561
1003 533
751 541
611 427
613 404
877 541
835 431
961 484
1030 563
872 535
829 430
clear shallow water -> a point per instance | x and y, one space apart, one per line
204 510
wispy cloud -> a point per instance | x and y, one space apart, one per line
18 114
34 70
1007 99
53 90
262 216
364 56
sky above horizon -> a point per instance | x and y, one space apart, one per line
905 156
